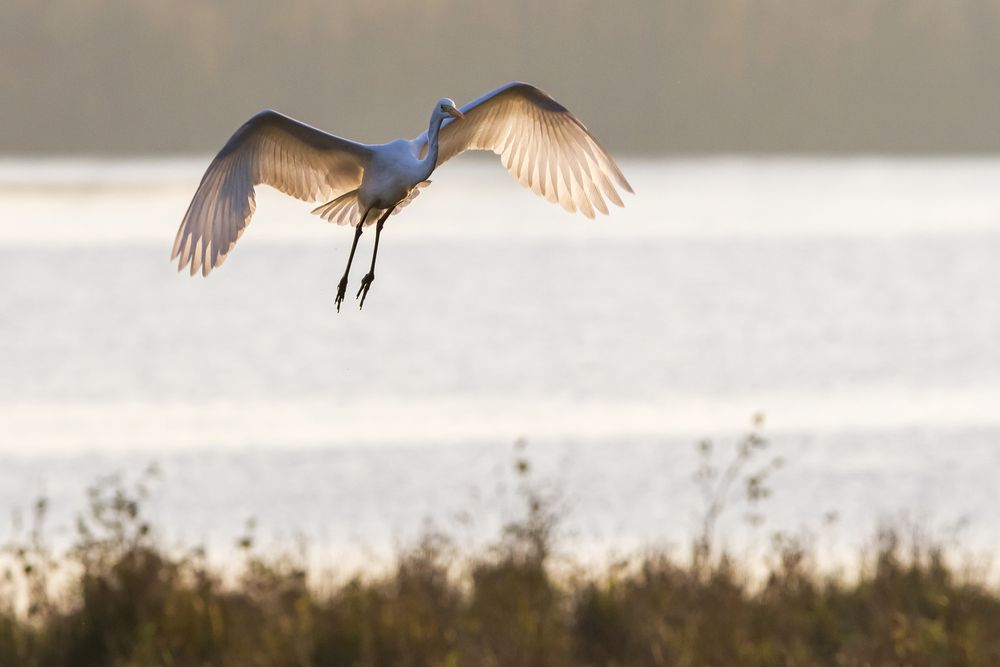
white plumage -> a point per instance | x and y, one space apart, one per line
544 146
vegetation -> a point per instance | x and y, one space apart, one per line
118 598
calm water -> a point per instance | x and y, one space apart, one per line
856 303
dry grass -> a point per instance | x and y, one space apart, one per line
130 602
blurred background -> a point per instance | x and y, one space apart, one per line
815 236
138 77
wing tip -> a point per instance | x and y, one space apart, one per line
191 263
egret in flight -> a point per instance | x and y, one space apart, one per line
538 140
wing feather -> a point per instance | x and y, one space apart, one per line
273 149
544 146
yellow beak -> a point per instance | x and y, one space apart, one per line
455 113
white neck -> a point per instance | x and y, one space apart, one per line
430 160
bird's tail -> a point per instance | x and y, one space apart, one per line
344 210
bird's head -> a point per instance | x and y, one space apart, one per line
446 107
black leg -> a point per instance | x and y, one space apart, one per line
369 278
342 287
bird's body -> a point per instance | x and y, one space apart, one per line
538 140
394 171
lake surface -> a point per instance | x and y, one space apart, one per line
855 302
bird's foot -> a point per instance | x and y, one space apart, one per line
366 283
341 292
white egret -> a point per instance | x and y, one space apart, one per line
538 140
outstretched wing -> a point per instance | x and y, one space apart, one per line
541 144
270 148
